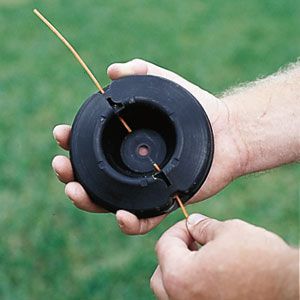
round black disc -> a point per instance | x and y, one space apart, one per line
141 148
169 128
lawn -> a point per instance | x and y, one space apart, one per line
49 249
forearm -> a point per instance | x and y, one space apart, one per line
266 120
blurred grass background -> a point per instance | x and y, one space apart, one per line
49 249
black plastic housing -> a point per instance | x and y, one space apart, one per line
166 120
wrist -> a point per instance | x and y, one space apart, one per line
240 155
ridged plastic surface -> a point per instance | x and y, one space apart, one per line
167 120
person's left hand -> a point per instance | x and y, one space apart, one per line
62 167
228 162
237 261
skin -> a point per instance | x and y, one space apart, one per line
237 261
222 172
255 128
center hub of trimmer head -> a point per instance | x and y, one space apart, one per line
169 128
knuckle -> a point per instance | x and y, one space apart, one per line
137 60
238 221
172 282
205 228
161 244
235 224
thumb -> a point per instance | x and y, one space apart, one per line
203 229
142 67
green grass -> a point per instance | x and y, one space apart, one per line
50 250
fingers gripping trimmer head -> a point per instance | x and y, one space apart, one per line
169 129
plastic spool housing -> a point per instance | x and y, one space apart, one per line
169 127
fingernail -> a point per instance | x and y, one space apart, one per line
111 67
195 219
54 131
121 223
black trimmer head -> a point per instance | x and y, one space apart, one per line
169 128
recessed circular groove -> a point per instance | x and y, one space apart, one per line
151 126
